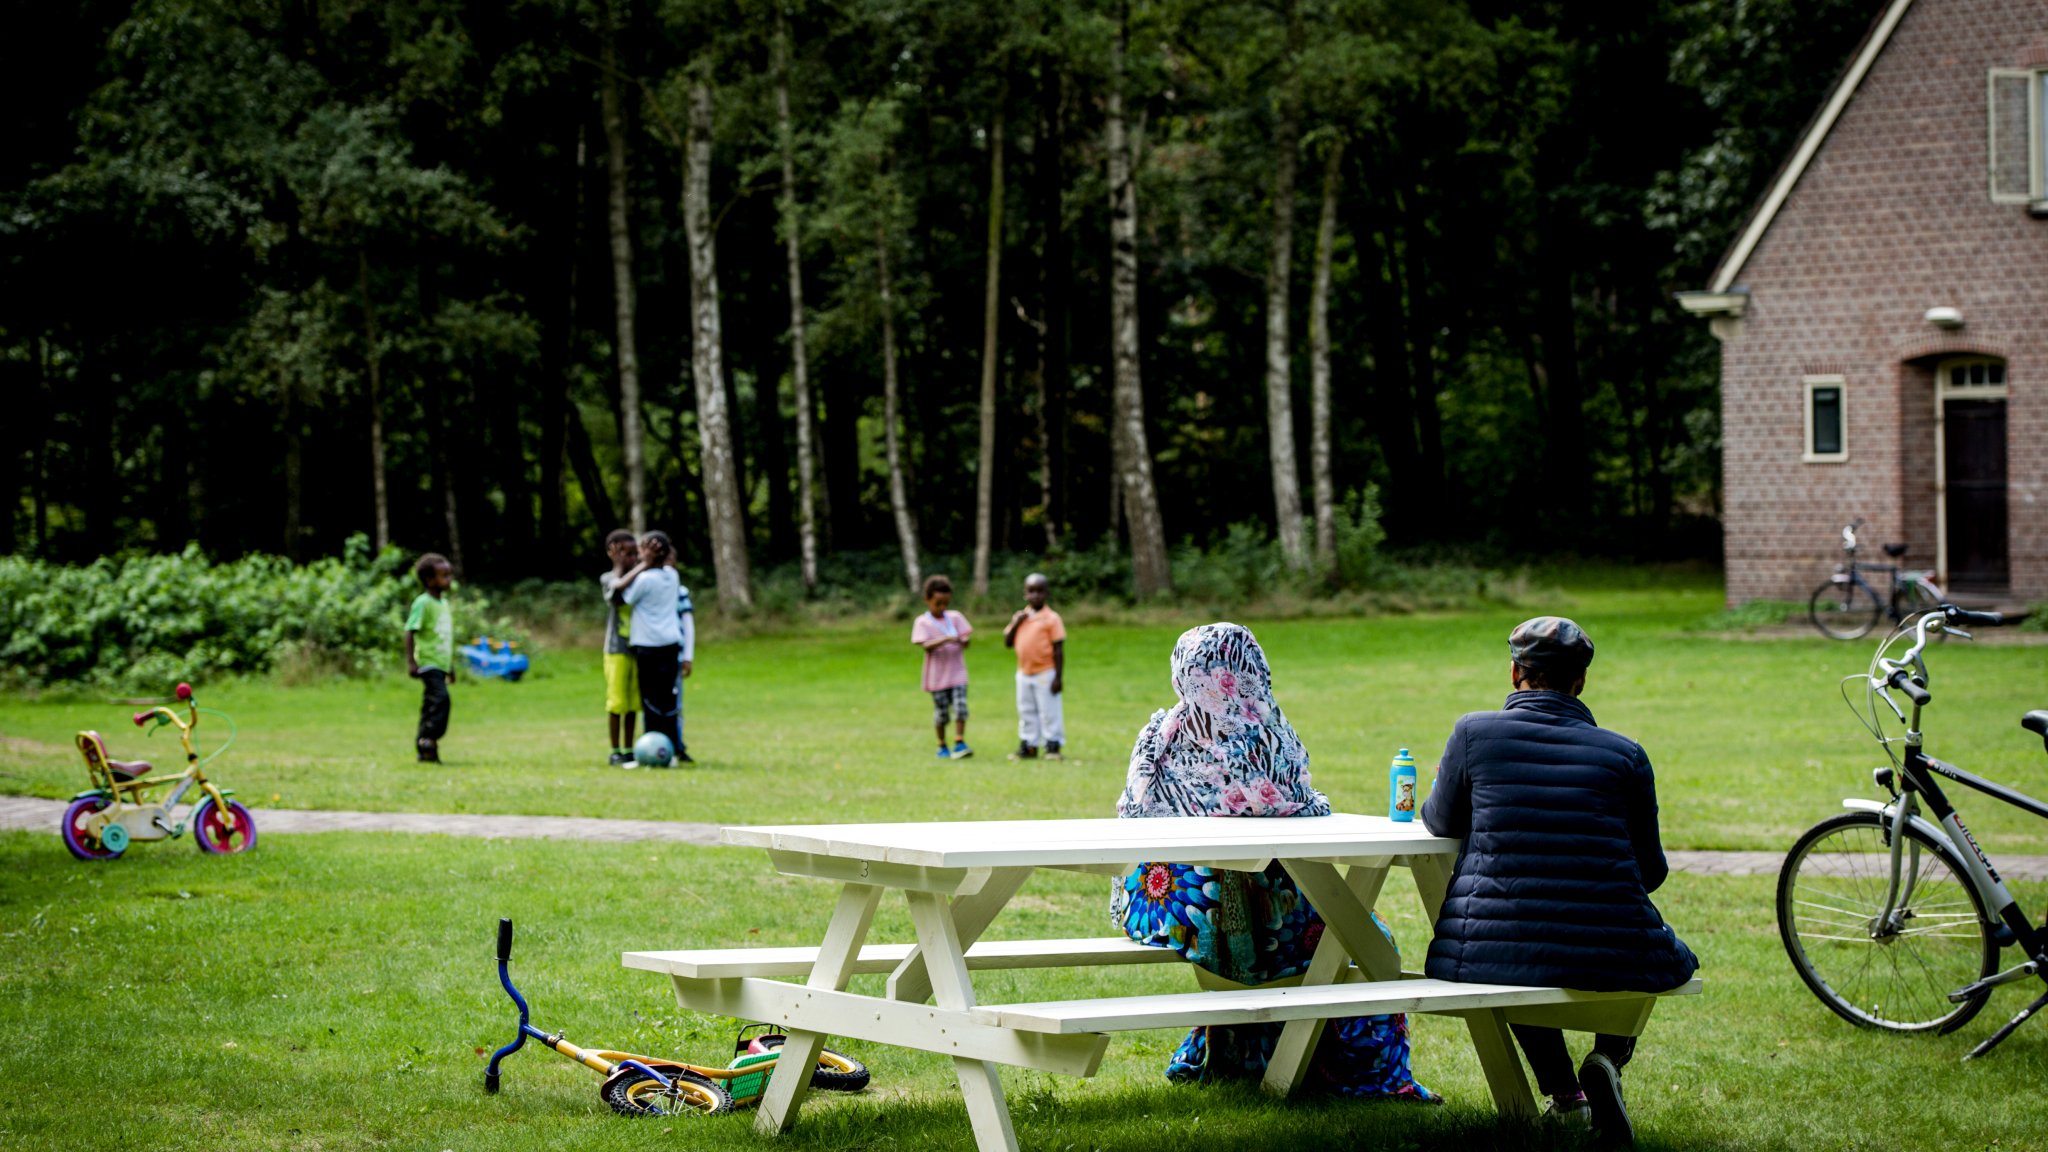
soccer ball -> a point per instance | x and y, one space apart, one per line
654 751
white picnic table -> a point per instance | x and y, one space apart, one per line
956 878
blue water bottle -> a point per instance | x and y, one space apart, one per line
1401 788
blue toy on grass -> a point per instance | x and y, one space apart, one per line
653 750
488 657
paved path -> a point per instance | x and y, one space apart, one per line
37 815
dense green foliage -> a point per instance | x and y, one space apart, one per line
146 622
225 219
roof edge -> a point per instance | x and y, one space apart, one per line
1788 176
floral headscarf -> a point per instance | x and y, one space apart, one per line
1225 749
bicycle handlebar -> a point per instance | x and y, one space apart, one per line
504 940
1904 682
1957 615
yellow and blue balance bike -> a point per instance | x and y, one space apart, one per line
120 808
637 1085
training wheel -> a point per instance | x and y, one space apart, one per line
114 838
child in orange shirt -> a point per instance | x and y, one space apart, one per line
1040 638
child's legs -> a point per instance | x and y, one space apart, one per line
1029 724
960 713
679 711
1051 714
657 690
433 705
621 695
942 707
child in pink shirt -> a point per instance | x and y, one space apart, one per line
944 635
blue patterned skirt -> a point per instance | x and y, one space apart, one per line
1254 928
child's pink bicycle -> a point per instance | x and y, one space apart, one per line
120 808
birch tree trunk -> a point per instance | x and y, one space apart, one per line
371 361
1319 366
1150 571
899 501
984 478
622 283
806 469
1279 269
722 496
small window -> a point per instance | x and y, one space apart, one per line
1827 420
1979 374
2017 101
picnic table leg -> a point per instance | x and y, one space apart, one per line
843 938
1346 916
1498 1057
1331 964
971 917
981 1086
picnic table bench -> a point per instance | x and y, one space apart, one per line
956 877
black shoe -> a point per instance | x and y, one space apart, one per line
618 758
1601 1081
685 758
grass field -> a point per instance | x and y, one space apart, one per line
333 991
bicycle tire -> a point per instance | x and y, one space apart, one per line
1844 611
631 1092
836 1071
1899 982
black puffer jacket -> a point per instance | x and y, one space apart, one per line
1559 819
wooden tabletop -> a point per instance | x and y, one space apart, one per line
1057 843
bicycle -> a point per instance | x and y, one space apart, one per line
1893 920
1847 607
119 809
636 1085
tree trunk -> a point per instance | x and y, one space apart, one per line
589 477
807 475
294 487
1319 366
899 500
622 282
714 429
1150 571
372 363
1052 303
991 300
1279 270
555 407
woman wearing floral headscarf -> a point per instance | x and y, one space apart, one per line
1226 750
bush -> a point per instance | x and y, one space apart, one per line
145 622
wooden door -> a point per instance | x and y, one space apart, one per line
1973 448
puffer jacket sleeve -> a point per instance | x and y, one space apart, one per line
1448 811
1642 825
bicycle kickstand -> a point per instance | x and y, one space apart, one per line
1998 1037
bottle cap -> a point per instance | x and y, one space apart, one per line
1403 759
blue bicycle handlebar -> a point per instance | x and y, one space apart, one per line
505 978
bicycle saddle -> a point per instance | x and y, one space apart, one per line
94 746
1895 550
2037 723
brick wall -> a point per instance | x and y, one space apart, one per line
1891 218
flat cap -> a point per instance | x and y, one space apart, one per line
1550 644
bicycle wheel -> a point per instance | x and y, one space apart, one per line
1917 598
84 845
1830 894
1844 611
211 832
836 1071
631 1092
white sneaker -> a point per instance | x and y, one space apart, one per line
1577 1114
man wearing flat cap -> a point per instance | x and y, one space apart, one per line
1559 820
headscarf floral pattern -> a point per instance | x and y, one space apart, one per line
1225 749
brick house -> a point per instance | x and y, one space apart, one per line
1883 317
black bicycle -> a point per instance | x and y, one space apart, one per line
1847 607
1894 920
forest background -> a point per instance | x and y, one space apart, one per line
812 281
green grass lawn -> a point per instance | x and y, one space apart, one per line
333 991
1750 738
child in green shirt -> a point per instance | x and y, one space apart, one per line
430 659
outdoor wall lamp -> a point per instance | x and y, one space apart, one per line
1945 317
